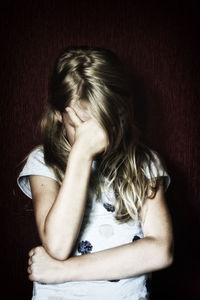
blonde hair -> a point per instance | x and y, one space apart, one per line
97 76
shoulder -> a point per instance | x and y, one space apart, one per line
35 162
34 165
36 157
154 166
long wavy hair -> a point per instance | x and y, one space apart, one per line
96 75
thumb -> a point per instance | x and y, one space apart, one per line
73 116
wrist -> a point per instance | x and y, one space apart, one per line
81 152
68 270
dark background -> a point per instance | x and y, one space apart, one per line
159 41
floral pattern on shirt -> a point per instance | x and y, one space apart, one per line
136 237
85 247
109 207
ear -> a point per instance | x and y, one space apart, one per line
59 116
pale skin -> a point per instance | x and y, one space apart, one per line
55 210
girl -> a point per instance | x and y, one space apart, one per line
97 191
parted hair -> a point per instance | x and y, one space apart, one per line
97 75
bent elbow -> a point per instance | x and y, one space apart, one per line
56 247
58 253
168 260
170 257
167 256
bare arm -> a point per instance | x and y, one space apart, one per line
59 217
153 252
59 211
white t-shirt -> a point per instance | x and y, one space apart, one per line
99 231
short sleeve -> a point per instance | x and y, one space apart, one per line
35 165
160 171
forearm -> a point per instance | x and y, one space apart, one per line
64 219
143 256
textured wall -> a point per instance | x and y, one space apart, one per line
159 43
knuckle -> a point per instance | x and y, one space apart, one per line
38 249
30 252
33 259
31 277
33 268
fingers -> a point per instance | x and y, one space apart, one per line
31 274
31 252
35 250
33 255
30 266
31 260
73 116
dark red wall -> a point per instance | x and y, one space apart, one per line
159 42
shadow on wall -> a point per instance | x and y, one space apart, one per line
177 281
